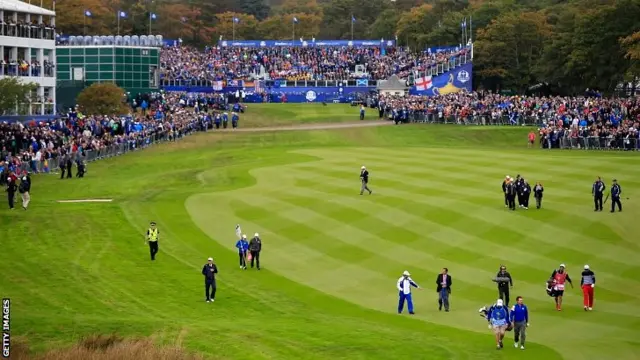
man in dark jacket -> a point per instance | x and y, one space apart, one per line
69 164
364 180
443 288
597 190
504 280
255 246
11 190
62 164
519 186
504 190
525 193
538 190
209 270
511 194
616 190
24 189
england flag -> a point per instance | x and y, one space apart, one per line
423 83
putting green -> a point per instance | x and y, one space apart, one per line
435 208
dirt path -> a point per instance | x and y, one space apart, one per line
325 126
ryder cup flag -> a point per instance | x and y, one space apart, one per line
423 83
238 231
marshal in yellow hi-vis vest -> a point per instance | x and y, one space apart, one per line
152 239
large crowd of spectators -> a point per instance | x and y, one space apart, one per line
558 117
38 147
296 63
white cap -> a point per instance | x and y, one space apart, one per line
406 273
244 236
210 259
362 167
508 177
562 265
256 235
499 302
586 267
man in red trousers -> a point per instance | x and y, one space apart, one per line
588 282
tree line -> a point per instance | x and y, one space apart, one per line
571 45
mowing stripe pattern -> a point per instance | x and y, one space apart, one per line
432 209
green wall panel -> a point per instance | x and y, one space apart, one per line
127 67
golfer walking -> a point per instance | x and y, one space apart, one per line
404 292
588 282
520 319
209 270
364 179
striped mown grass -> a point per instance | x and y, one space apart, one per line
331 257
432 209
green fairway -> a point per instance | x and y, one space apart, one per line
275 114
331 258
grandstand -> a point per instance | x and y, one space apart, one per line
297 68
28 52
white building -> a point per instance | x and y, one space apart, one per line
28 51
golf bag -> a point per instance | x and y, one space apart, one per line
551 288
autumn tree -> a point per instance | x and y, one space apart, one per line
631 45
102 98
337 17
385 25
280 27
73 21
256 8
416 22
508 49
189 25
245 27
298 7
14 94
585 51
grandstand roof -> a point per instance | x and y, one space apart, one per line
23 7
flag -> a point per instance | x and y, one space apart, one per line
122 14
217 85
258 86
153 16
424 83
238 231
87 13
236 20
362 82
295 20
353 19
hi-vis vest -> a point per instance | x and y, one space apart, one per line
153 235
